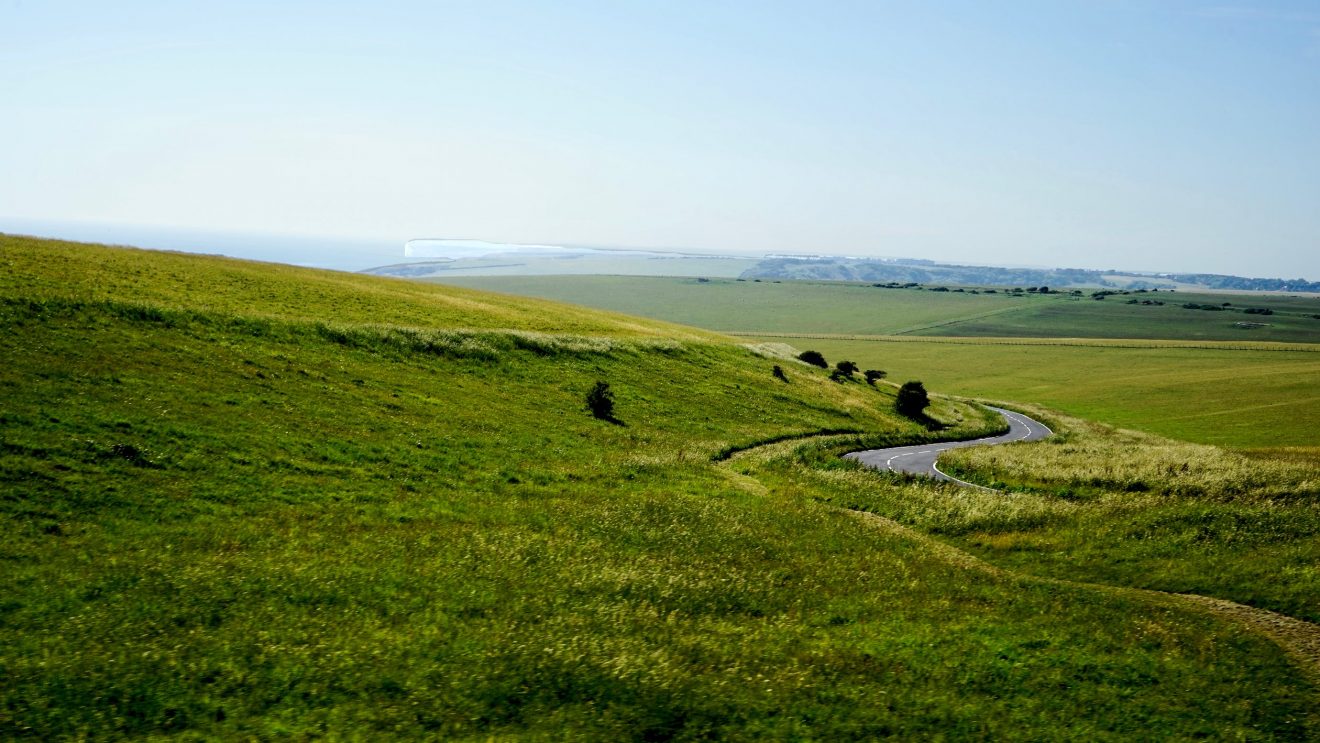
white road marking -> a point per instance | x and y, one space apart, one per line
1032 428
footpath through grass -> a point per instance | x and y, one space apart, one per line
1121 508
232 510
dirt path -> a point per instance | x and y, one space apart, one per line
1298 638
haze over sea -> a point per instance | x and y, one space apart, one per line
341 254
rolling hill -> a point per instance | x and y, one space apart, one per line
248 500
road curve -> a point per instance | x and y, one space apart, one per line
920 460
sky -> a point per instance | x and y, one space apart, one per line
1160 135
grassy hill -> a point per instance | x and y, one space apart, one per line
1186 373
1235 395
247 500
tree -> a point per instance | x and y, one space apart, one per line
847 368
912 399
814 358
873 374
600 401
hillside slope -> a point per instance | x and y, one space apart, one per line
246 500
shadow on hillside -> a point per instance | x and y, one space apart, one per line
925 420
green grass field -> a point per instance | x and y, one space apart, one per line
1230 392
1119 507
251 501
1113 317
860 309
728 304
1236 398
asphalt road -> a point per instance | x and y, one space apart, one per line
920 460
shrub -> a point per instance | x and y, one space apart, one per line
847 368
838 376
872 375
815 358
912 399
779 373
600 401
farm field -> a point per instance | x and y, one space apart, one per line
861 309
729 304
1241 392
250 501
603 262
1228 396
1293 318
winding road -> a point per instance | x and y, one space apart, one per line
920 460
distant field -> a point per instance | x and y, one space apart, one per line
1194 387
728 304
589 263
1113 317
862 309
1236 398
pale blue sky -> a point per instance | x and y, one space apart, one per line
1149 135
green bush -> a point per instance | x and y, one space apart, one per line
600 401
912 399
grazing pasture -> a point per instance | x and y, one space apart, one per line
1185 373
810 307
1222 394
248 501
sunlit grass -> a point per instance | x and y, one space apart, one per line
1124 508
829 307
269 518
1235 396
